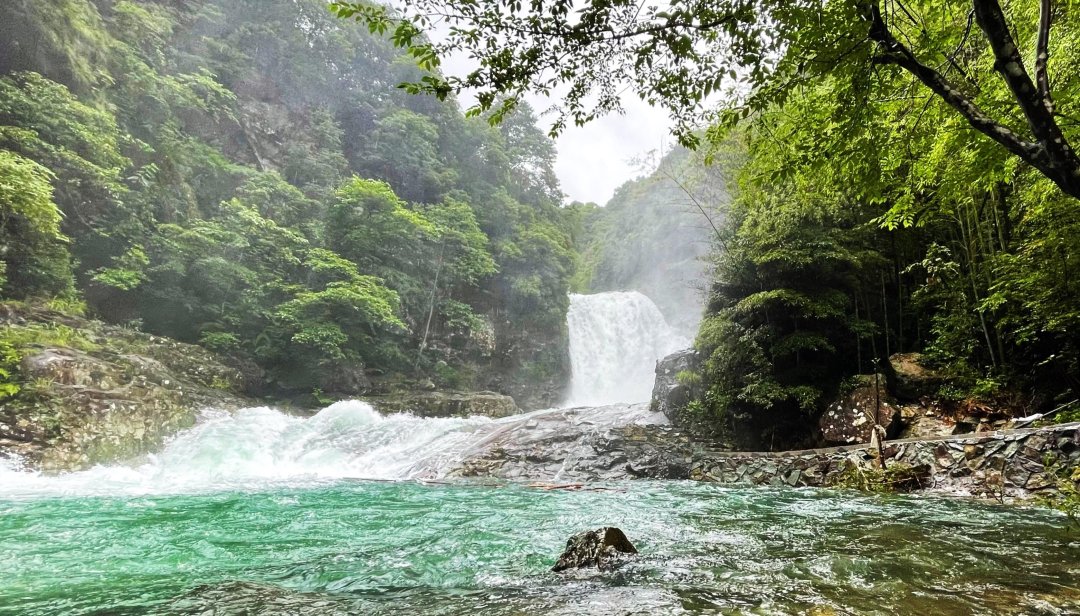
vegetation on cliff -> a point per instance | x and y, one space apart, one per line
244 175
655 234
910 181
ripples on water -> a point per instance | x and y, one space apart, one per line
358 547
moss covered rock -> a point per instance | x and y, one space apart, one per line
91 393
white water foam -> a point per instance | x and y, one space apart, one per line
615 340
258 446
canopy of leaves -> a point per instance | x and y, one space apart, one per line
243 173
715 62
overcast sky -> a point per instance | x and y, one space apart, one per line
597 158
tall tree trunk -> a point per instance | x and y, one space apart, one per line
858 336
885 314
431 308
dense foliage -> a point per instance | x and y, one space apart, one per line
910 182
874 224
245 175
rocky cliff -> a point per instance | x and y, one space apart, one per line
89 393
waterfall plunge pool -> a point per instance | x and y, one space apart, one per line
260 513
363 547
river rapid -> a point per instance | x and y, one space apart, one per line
351 512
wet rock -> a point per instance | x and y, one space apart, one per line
669 396
605 548
615 442
447 404
852 417
912 379
345 379
112 393
922 422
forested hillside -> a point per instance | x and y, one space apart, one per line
911 182
873 220
656 233
244 174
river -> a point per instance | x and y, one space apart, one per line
350 512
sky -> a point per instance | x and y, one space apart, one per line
597 158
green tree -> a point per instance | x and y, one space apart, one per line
758 53
80 146
369 225
34 257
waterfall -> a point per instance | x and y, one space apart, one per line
615 340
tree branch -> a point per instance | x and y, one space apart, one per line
895 52
1010 65
1042 54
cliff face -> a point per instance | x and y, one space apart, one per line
91 393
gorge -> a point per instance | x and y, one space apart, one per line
301 312
348 511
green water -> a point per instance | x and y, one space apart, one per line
354 547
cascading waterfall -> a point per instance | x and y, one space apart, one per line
615 340
261 446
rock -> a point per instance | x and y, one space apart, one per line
669 396
346 379
912 379
919 422
851 418
106 393
605 548
609 443
446 404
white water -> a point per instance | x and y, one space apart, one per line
256 446
615 340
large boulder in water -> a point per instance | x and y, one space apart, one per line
669 396
852 417
604 548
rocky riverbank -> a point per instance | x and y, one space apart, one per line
619 442
1002 465
976 451
89 393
